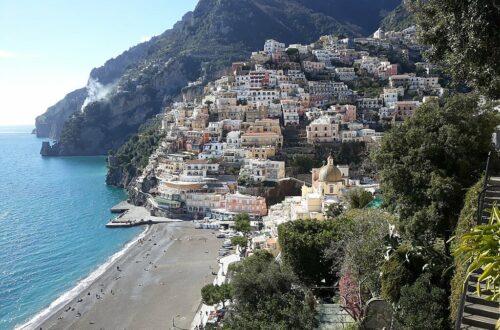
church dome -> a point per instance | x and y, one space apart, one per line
330 172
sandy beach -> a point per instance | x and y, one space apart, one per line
157 281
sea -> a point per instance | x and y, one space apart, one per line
52 233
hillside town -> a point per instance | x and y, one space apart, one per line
228 148
231 138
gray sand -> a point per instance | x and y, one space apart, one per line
152 288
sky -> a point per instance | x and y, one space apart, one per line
49 47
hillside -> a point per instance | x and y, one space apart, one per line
135 86
398 19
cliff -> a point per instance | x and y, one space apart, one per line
138 84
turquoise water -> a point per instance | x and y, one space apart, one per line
52 216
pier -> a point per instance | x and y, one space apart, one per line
132 216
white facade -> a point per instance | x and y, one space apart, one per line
260 170
272 46
390 97
345 74
233 139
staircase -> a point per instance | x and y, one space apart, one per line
475 311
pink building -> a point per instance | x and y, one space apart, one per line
348 112
391 70
246 204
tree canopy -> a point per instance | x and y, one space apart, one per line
303 244
426 164
214 294
242 223
267 296
463 35
358 198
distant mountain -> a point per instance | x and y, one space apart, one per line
398 19
133 87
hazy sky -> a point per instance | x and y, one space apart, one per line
48 47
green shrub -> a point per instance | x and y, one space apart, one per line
466 221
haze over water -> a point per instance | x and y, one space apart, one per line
52 217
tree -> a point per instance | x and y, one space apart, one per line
359 250
239 240
463 35
268 296
303 244
422 306
209 103
302 163
214 294
426 164
333 211
402 268
210 294
242 223
358 198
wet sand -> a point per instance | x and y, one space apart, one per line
158 282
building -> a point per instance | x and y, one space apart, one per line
233 139
323 129
262 139
262 126
328 185
200 168
272 46
238 203
263 170
260 152
348 113
405 109
345 74
313 67
291 109
390 97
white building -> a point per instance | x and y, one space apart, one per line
390 97
261 170
291 109
345 74
272 46
233 139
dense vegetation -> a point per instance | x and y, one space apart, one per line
303 244
466 221
425 167
463 36
133 156
398 19
426 164
268 296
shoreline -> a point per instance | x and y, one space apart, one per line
69 295
154 282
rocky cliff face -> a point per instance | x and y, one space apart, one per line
135 86
50 124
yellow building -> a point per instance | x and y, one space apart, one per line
260 152
327 187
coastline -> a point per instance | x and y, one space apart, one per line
80 286
158 282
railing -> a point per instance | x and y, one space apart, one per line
480 209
